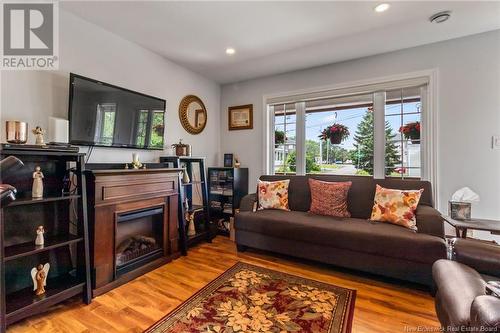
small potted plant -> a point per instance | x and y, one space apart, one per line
411 131
279 137
336 133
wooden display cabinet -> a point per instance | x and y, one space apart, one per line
66 248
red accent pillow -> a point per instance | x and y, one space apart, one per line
329 198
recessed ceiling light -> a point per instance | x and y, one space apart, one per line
440 17
382 7
230 51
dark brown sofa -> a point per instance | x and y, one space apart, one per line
355 242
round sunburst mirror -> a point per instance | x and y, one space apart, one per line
193 114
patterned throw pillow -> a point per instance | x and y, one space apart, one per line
396 206
273 195
329 198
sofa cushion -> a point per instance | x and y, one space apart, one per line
329 198
396 206
273 195
457 287
345 233
361 193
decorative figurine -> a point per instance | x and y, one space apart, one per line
136 164
39 275
191 229
185 177
37 189
126 165
39 132
237 163
39 236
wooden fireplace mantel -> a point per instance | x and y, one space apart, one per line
112 192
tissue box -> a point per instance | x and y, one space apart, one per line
459 210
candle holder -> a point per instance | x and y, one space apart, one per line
136 164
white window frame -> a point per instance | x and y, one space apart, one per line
376 86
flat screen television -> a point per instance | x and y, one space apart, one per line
101 114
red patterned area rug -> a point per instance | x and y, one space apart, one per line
252 299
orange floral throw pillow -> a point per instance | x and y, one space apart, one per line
396 206
273 195
329 198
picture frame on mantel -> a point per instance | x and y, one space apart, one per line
240 117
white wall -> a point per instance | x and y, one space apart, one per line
468 109
89 50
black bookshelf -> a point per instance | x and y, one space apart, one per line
203 226
226 188
66 247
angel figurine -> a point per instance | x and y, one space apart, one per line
39 276
39 235
39 132
37 189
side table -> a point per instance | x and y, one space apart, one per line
461 226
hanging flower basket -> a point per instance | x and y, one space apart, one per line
411 131
279 137
336 139
336 133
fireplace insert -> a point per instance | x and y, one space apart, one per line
139 238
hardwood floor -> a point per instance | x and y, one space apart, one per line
133 307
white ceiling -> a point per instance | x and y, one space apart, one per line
276 37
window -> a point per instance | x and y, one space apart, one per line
105 123
402 115
149 128
157 129
382 126
284 139
353 155
141 128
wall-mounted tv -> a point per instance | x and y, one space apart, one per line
101 114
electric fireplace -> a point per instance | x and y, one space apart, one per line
133 221
138 238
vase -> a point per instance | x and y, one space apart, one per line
335 139
16 132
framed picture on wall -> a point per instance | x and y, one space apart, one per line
228 160
240 117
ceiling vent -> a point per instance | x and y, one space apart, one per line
440 17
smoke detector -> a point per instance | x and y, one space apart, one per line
440 17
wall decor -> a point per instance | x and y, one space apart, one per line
136 164
240 117
193 114
17 131
182 149
39 132
228 160
39 275
39 240
37 188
